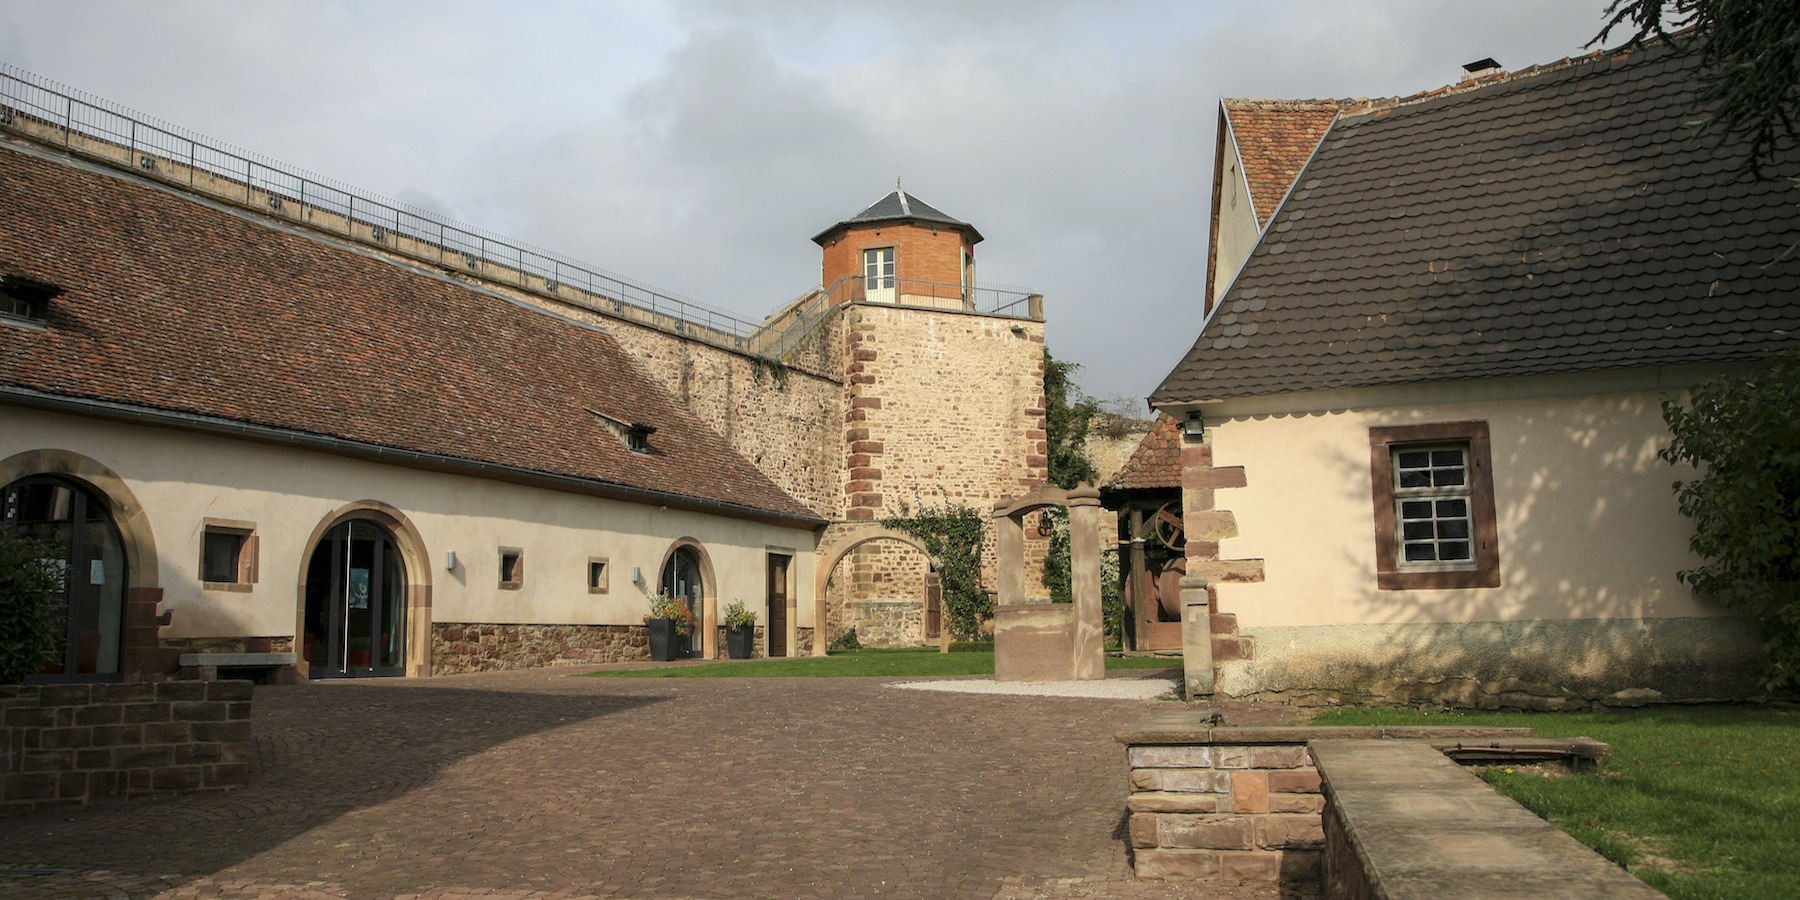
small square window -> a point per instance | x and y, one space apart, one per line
227 555
598 572
512 568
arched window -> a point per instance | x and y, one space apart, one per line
72 517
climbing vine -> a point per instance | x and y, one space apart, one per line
953 535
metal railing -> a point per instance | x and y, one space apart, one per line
47 111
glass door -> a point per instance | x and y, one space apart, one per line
681 579
356 604
73 522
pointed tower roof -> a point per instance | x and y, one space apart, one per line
901 208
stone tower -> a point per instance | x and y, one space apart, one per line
943 402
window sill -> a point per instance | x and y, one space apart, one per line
511 585
1437 581
234 587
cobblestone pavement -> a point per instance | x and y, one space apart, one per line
535 785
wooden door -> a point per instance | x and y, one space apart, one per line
778 604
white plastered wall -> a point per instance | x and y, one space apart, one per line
183 478
1588 525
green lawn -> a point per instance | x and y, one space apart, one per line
1700 802
904 663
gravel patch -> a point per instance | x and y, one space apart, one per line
1107 689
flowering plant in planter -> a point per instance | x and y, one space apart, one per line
663 606
738 616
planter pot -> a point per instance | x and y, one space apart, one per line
664 641
740 641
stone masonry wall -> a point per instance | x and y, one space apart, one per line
784 420
70 744
459 647
941 408
1238 802
1228 810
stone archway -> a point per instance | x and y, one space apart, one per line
140 641
828 562
1044 641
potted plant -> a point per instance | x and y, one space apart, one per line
740 630
667 618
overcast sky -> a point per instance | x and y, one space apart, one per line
697 146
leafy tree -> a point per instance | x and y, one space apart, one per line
30 583
1749 58
1744 436
1067 413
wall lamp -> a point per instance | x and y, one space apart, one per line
1194 425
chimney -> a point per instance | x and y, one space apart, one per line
1479 68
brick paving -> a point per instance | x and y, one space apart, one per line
535 785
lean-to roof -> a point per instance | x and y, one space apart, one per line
183 307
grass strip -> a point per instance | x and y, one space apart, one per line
905 663
1699 802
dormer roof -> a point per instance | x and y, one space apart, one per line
900 208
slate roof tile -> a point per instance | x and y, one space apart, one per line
1481 231
177 305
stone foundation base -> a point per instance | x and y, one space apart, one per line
481 647
1550 664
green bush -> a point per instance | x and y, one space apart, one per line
1743 435
31 580
847 641
971 646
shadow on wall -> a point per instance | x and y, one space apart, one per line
1589 608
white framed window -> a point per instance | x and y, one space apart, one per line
1433 506
878 274
1433 492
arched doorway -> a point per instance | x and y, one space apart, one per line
683 580
356 593
74 518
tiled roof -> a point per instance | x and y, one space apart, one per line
899 206
176 305
1274 139
1568 220
1157 461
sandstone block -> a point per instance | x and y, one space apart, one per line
1194 757
1231 757
1172 802
1205 832
1143 829
1279 757
1250 791
1189 780
1301 781
1251 866
1175 864
1289 832
1297 803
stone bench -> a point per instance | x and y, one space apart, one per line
1403 821
206 666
